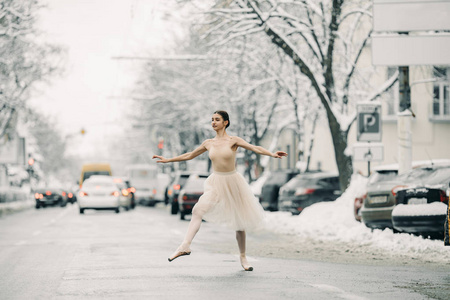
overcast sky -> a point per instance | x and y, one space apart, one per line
93 92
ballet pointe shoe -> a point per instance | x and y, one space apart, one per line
181 251
245 264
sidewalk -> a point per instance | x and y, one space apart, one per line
14 199
11 207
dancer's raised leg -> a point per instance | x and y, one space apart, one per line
194 226
240 237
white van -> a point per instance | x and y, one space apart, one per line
144 179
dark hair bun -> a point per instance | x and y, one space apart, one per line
224 115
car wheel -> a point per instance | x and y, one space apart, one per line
117 210
81 210
37 206
174 210
182 215
127 208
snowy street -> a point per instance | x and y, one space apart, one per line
59 254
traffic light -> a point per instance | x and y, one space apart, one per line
161 144
31 161
82 131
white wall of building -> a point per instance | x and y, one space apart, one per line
431 138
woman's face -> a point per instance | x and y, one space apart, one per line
217 122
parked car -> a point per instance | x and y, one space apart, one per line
376 211
189 194
447 221
125 197
162 187
99 192
256 186
379 174
271 188
71 196
422 209
177 184
144 179
50 196
306 189
130 190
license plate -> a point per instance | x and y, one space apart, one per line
378 199
287 203
417 201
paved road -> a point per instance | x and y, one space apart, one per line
55 253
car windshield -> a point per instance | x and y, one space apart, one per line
379 176
195 184
439 176
277 178
89 174
416 174
182 180
298 181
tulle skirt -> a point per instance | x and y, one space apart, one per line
228 200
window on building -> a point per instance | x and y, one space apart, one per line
391 96
441 92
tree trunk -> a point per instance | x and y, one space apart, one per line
344 162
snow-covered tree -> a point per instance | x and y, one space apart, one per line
324 40
23 60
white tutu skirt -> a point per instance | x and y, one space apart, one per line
228 200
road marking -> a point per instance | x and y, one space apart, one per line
338 292
20 243
38 232
63 213
59 216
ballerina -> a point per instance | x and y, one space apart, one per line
227 197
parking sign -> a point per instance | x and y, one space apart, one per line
369 122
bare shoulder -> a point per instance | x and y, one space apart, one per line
237 140
207 143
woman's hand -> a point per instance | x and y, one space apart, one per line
279 154
161 159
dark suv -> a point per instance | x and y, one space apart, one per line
422 208
270 189
306 189
177 184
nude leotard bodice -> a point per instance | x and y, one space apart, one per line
223 157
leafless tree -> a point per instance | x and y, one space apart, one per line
23 61
324 40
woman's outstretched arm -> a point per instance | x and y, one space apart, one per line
258 149
186 156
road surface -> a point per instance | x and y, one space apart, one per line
56 253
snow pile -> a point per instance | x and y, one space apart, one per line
334 221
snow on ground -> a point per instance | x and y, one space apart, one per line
334 222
